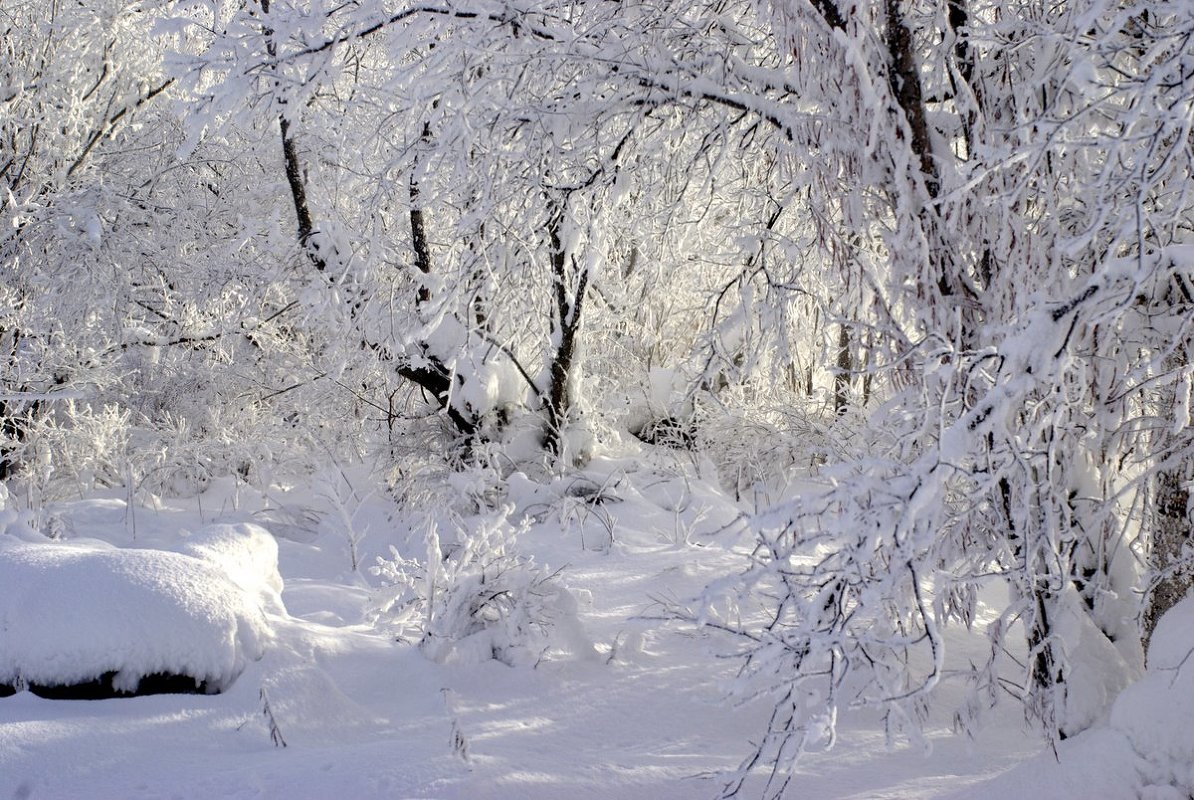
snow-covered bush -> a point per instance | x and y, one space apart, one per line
200 423
77 449
759 448
477 599
178 455
73 447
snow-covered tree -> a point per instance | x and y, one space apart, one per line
1008 185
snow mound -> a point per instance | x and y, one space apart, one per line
1155 712
1145 750
247 553
78 612
1097 672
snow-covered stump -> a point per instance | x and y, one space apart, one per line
85 619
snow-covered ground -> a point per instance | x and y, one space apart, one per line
632 706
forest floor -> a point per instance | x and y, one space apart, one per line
640 709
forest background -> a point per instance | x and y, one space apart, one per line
912 282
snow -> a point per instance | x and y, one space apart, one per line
248 555
1155 713
73 611
1096 672
623 703
1144 749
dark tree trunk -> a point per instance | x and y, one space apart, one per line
11 431
418 230
843 371
565 323
1171 524
958 19
903 76
298 194
867 374
1170 536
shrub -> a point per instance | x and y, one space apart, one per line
477 598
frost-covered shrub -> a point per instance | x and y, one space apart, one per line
477 599
761 448
177 455
76 449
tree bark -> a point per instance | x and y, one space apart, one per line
903 77
1171 524
418 230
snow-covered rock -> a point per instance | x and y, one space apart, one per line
73 612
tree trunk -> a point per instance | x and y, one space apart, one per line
843 371
1171 522
11 431
418 231
1170 535
565 325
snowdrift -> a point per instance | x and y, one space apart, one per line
87 614
1155 712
